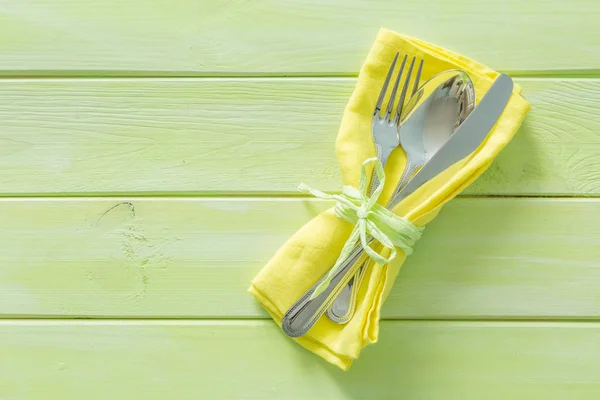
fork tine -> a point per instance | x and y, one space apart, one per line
404 89
388 115
418 77
385 85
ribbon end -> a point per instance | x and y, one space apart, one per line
303 188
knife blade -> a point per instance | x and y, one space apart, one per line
468 136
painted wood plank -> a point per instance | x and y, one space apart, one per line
192 136
253 360
290 37
143 257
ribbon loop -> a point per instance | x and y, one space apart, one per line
369 219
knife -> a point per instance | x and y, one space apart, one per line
466 139
470 134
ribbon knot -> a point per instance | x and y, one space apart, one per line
370 220
362 213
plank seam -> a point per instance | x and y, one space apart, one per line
65 74
99 319
25 75
248 196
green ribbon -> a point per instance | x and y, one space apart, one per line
368 218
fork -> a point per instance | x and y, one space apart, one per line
386 135
305 312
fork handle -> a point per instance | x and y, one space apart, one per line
383 153
306 312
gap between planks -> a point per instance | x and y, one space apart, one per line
84 75
263 322
249 197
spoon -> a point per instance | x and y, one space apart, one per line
436 116
451 86
433 113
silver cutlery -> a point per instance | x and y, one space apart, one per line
435 112
469 135
386 136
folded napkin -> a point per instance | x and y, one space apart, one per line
309 253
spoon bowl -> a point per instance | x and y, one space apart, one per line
432 115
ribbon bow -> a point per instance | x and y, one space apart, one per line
369 218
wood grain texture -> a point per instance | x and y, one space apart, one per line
253 360
199 136
174 270
218 37
195 258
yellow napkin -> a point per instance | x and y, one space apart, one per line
310 252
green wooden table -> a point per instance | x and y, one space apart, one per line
150 152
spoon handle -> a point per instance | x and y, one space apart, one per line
409 171
383 153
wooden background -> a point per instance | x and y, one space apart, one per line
150 151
